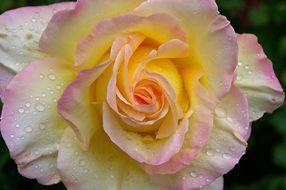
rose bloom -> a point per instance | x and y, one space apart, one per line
130 94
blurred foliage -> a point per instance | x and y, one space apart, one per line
264 165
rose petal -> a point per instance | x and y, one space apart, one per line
212 40
5 76
63 35
216 185
155 152
256 78
159 27
30 125
20 32
223 150
76 106
102 166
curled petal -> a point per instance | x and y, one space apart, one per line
199 127
76 106
155 151
256 78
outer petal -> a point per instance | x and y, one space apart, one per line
212 40
216 185
223 150
256 78
5 76
30 125
20 32
102 166
63 34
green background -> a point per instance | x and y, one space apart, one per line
264 165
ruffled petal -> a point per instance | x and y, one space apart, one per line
30 125
256 78
63 35
102 166
225 147
212 40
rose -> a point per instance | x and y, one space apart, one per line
130 94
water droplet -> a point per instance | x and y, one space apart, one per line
42 126
12 136
85 171
37 98
246 67
40 107
210 152
21 110
220 112
250 72
28 129
28 105
17 125
41 76
34 20
52 77
217 150
201 177
226 156
239 64
193 174
58 87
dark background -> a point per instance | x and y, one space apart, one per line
264 165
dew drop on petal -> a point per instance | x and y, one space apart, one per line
40 107
42 126
41 76
210 152
226 156
193 174
28 129
52 77
21 110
